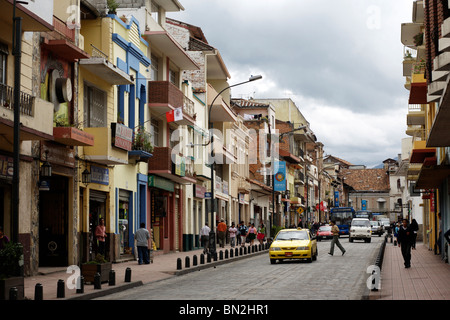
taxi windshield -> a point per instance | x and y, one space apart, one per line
292 235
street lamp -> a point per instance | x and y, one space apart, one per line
212 243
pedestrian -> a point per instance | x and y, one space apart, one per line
243 233
100 234
142 236
335 241
251 234
300 223
261 233
233 232
414 229
222 232
405 240
3 239
204 236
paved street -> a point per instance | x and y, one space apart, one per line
330 277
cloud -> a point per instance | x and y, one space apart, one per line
340 61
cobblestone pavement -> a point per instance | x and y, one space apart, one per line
330 277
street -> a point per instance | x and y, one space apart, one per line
329 278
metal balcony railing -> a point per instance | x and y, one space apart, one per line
7 100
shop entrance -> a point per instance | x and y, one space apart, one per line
53 216
97 211
124 222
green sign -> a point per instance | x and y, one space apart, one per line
161 183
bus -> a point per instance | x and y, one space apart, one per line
343 217
363 214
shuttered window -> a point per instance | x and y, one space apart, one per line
94 107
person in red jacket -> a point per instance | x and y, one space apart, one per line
222 231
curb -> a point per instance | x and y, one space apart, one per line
131 285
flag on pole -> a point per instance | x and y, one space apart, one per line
174 115
170 116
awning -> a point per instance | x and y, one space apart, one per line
432 177
65 49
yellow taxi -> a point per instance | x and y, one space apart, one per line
293 244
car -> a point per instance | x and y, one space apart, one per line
360 229
293 244
324 232
386 224
377 228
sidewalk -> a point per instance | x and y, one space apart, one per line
427 279
164 266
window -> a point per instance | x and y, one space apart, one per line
154 68
3 57
154 130
172 77
155 12
94 107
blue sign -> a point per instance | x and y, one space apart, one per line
280 176
364 204
336 198
100 175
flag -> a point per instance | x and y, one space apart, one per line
178 114
170 116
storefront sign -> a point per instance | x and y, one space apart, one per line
180 166
100 175
225 187
199 191
6 167
122 136
161 183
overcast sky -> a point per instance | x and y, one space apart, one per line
340 61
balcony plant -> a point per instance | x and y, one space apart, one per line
11 262
98 265
142 140
419 67
418 39
112 6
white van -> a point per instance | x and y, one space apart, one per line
360 229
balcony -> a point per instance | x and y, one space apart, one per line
161 164
141 149
111 144
36 116
100 66
416 115
410 34
220 111
420 152
244 186
71 136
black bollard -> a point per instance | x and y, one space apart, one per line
194 260
208 257
60 292
187 262
226 254
13 293
179 264
38 292
202 259
215 256
112 278
241 251
97 281
236 252
231 253
221 255
80 284
127 275
245 250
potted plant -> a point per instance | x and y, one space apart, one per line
11 272
112 6
418 39
98 265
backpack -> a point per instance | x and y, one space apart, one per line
242 230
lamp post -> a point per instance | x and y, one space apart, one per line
212 243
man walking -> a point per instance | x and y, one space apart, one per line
204 236
335 241
142 236
405 240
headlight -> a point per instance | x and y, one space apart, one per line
352 230
302 248
275 249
